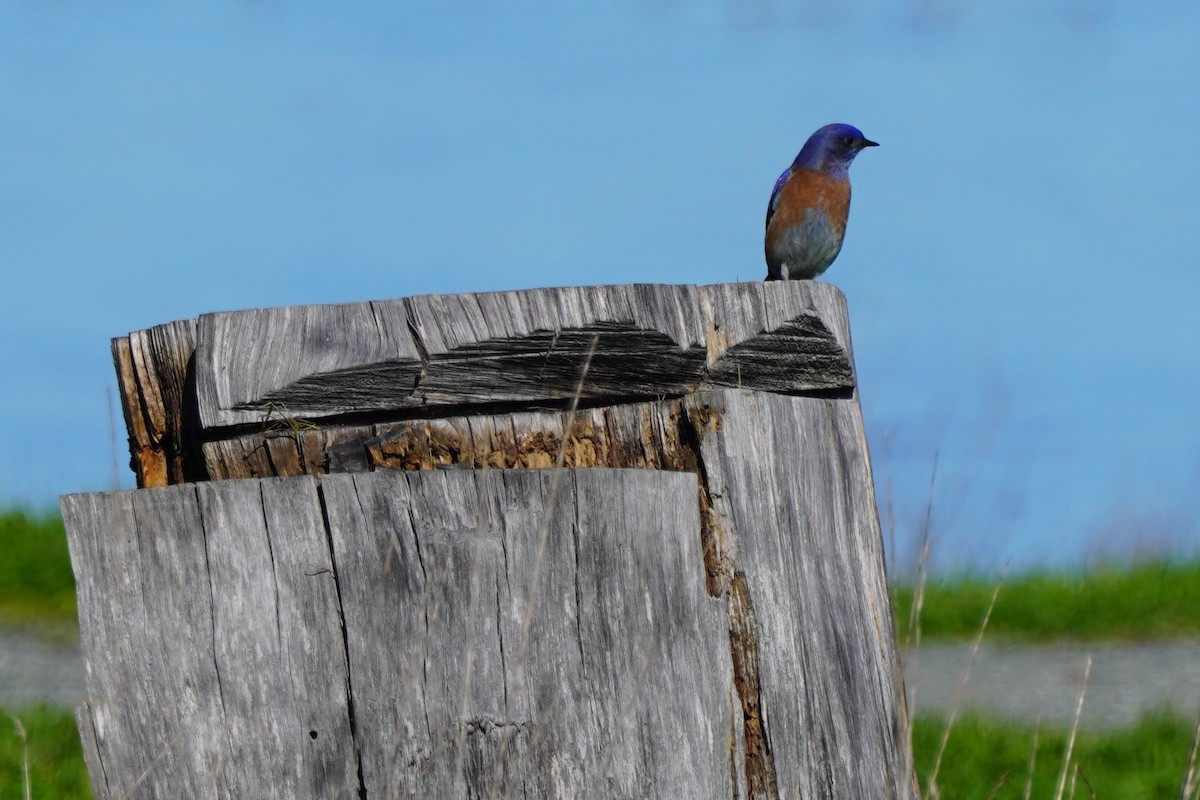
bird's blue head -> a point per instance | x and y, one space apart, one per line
832 148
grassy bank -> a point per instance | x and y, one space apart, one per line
36 584
1140 601
989 759
51 745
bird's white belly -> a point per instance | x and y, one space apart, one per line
807 249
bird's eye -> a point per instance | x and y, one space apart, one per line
848 141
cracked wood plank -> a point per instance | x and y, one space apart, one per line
467 353
280 655
760 339
754 404
643 435
820 679
546 633
262 371
560 635
145 620
156 383
517 347
209 625
267 364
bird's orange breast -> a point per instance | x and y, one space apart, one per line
807 189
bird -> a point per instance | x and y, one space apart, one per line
806 218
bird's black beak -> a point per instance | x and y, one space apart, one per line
869 143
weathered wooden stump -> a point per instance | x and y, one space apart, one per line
606 541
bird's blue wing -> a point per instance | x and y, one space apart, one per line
775 193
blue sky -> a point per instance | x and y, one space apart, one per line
1020 264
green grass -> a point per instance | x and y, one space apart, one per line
36 583
989 759
56 768
1140 601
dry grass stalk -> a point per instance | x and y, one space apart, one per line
914 633
889 507
1037 731
912 639
543 535
959 692
913 636
995 792
913 654
159 756
24 756
1190 790
1079 773
1066 766
918 603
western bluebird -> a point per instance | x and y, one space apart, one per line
806 218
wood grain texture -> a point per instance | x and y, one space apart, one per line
265 364
641 341
643 435
280 389
287 452
210 628
155 381
792 478
147 461
278 652
517 347
790 342
439 611
403 634
145 625
554 647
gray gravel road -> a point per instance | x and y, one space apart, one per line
1027 683
1042 682
34 670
